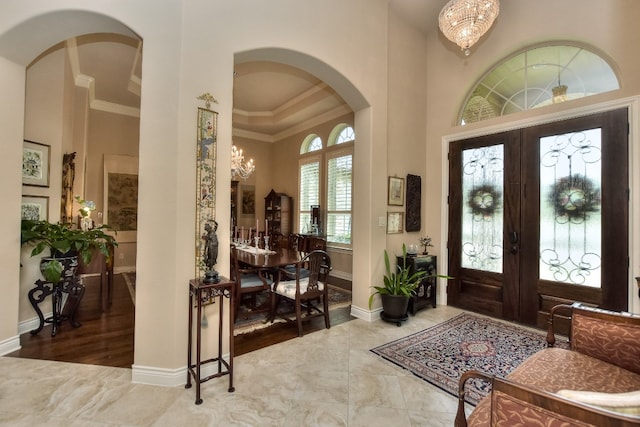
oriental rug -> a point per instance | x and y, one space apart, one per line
248 320
442 353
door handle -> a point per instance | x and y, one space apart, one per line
513 237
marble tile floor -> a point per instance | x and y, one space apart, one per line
326 378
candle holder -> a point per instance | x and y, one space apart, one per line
257 241
266 243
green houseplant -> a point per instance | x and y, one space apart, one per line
397 287
64 241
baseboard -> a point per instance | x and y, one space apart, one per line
367 315
169 377
10 345
31 324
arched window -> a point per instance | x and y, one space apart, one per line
311 143
333 193
340 134
537 77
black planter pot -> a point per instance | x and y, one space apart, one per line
394 308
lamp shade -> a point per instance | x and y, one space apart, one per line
465 21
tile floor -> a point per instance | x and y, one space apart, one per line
326 378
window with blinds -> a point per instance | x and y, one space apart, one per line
326 179
309 191
339 186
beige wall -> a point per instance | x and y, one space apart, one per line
188 51
44 123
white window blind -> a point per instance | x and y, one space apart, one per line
309 191
339 186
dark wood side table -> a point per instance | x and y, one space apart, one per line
425 294
200 294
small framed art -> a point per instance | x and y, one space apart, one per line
35 208
394 222
396 191
35 164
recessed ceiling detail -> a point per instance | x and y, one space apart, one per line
272 101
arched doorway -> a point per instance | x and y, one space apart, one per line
48 110
355 101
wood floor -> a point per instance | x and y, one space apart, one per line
106 338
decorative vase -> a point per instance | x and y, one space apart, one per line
69 265
86 223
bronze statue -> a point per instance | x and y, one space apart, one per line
211 251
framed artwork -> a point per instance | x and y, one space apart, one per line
35 208
120 196
35 164
394 222
248 200
206 155
395 191
414 191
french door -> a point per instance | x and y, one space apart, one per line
539 216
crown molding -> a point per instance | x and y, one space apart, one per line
88 82
297 128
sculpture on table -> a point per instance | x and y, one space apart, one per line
211 251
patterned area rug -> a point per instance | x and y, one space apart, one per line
249 320
442 353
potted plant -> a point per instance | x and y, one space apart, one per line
63 243
397 289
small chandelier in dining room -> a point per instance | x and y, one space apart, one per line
240 168
465 21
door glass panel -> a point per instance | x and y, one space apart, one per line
482 208
570 215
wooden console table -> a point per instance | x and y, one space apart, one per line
200 294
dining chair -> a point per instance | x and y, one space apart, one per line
249 282
306 292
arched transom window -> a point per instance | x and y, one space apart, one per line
538 77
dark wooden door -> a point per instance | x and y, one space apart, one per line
539 216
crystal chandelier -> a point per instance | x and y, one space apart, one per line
465 21
238 166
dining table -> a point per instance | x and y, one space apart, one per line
269 259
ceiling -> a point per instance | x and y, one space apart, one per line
270 100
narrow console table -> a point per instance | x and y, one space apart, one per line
73 287
200 294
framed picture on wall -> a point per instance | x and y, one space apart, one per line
35 164
395 191
394 222
35 208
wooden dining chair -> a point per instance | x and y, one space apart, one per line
306 293
249 282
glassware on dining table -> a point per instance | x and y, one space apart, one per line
257 240
266 243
